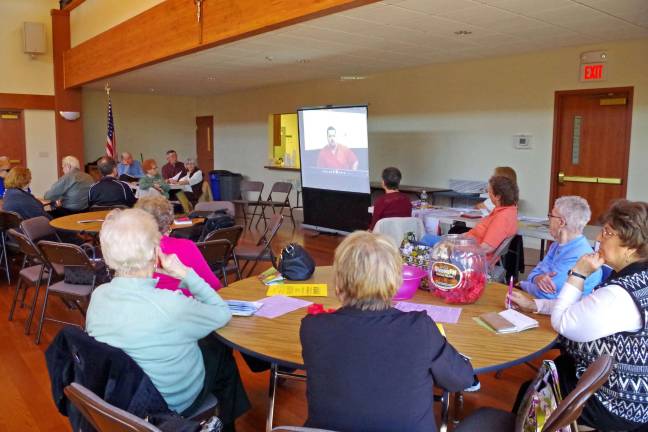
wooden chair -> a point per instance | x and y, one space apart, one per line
283 189
29 275
58 256
567 411
8 220
217 254
262 250
248 198
233 234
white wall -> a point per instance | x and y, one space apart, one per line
445 121
144 123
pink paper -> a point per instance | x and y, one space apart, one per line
440 314
276 306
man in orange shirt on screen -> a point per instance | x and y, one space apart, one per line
335 155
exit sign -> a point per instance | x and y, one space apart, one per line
593 71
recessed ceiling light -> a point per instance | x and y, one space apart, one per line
462 32
303 61
352 77
151 89
211 78
269 58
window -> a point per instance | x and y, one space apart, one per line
283 137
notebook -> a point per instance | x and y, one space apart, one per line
508 321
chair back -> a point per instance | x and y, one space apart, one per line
281 187
271 229
216 252
499 252
570 408
25 244
64 254
103 416
248 187
212 206
233 234
39 228
9 219
397 227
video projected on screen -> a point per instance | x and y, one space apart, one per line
334 148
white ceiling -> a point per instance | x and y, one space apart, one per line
391 34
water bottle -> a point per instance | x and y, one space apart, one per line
424 196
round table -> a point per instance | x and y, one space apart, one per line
277 340
91 222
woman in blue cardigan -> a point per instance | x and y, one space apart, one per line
17 198
372 367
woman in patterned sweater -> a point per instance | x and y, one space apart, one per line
612 320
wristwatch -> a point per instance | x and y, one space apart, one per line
578 275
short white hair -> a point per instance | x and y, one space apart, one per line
129 239
71 161
575 211
191 161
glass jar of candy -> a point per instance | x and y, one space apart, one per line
458 269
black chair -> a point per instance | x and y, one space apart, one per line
262 250
8 220
217 253
233 235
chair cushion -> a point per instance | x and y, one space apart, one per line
488 420
70 289
31 273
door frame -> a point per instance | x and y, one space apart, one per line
555 156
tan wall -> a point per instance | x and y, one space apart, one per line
445 121
19 73
144 123
96 16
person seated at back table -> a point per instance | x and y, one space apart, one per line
165 333
186 250
129 169
487 206
70 191
567 220
152 179
500 224
109 191
193 181
18 199
393 203
370 366
173 170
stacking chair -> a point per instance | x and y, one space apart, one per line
567 411
39 228
498 272
212 206
233 234
250 196
29 275
8 220
262 250
282 201
217 254
60 255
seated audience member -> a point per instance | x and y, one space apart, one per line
109 191
500 224
5 167
372 367
70 192
611 320
503 171
393 203
567 220
17 198
159 329
193 181
173 170
162 211
152 179
129 169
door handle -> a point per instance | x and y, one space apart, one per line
14 161
562 178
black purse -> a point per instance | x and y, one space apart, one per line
295 263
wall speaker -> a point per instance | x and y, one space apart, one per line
34 38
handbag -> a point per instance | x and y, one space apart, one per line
81 275
295 263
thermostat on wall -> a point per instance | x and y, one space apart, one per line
522 141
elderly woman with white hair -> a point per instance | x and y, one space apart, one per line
567 220
70 192
161 329
192 181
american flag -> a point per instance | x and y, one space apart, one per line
111 137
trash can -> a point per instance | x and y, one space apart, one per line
225 185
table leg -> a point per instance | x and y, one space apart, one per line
272 391
445 408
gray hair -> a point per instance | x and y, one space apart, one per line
190 161
575 211
160 208
71 161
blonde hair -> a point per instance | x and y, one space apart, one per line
18 177
367 271
71 161
129 239
507 172
160 208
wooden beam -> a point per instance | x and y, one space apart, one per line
26 101
171 29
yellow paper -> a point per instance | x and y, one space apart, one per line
441 329
298 290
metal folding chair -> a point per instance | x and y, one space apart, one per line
283 189
8 220
248 198
233 234
39 228
217 253
262 250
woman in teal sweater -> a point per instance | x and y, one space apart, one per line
158 328
153 179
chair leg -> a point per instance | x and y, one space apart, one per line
272 390
42 317
15 298
224 271
5 258
32 308
445 407
253 267
238 269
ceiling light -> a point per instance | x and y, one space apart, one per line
151 89
352 77
211 78
269 58
463 32
303 61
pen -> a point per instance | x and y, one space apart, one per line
510 292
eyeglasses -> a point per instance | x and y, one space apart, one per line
606 233
549 215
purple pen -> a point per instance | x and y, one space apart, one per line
510 292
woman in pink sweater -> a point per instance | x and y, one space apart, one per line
186 250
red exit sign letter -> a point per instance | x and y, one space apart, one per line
592 72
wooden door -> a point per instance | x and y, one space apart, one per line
12 136
591 146
204 143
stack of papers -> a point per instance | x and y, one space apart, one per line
270 276
508 321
